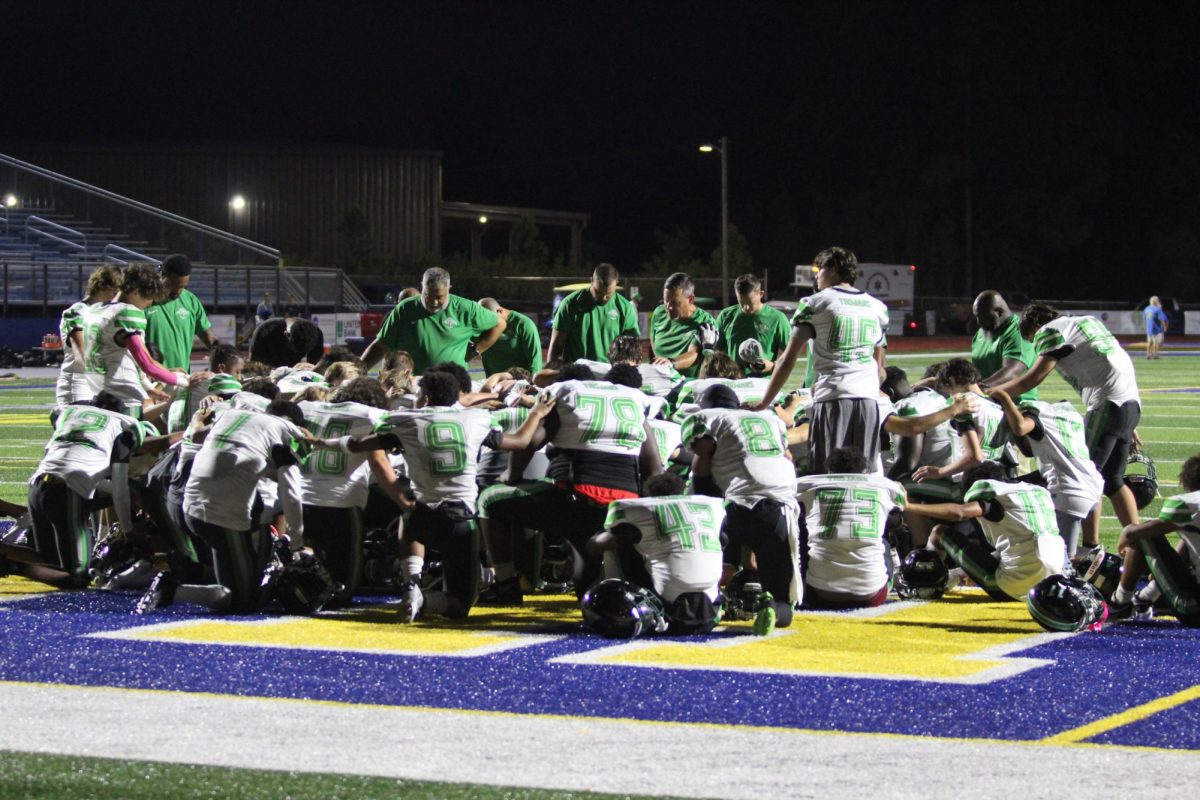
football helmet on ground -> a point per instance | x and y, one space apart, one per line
922 576
1062 604
619 609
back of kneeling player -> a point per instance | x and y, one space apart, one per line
670 543
1023 544
845 513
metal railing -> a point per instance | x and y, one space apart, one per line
128 203
112 253
31 230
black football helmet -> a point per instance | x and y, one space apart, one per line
1143 480
741 594
619 609
1101 569
304 586
922 576
1062 604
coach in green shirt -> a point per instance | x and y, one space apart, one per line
750 321
435 326
587 321
519 345
681 332
173 323
999 351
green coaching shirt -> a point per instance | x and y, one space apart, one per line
433 338
671 338
768 325
518 346
989 351
590 327
173 325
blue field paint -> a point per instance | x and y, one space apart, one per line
1091 678
1175 728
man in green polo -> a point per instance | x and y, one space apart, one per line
999 351
519 345
681 333
435 326
752 333
172 324
588 321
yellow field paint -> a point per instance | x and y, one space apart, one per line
14 588
12 420
1127 717
963 638
375 629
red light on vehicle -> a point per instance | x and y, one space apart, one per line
912 267
912 325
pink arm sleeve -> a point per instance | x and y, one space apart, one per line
148 365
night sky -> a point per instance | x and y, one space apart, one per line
1068 128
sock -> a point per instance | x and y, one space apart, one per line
410 567
1150 593
1122 596
505 571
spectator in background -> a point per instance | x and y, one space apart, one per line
436 326
587 321
292 309
1156 326
999 351
681 333
266 309
755 335
518 346
173 323
284 342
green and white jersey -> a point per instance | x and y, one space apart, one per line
1090 359
493 462
1025 534
748 463
1061 451
441 450
68 375
939 447
235 457
106 364
249 401
748 390
1184 511
989 425
599 368
667 436
848 325
678 537
331 478
846 515
657 381
601 417
80 451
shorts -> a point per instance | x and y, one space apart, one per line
452 529
238 561
1154 338
847 422
60 532
336 536
1109 430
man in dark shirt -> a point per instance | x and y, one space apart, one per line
284 342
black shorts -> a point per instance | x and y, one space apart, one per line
60 530
767 529
689 613
1109 429
238 561
453 531
336 536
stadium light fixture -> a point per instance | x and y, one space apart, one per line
10 200
237 202
722 147
482 220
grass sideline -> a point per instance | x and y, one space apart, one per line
37 776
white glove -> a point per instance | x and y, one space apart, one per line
751 352
708 336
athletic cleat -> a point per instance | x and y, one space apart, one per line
764 614
503 593
1119 612
160 594
412 600
1143 608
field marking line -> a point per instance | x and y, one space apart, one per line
1126 717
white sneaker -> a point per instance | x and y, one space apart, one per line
411 601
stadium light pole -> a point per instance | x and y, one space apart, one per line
722 147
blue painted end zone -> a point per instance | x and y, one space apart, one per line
45 641
1176 728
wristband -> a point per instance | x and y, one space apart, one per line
343 443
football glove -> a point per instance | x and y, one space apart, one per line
707 336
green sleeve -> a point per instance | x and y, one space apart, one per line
1176 511
391 330
1047 340
531 343
616 515
980 492
481 319
563 315
132 319
629 321
1014 346
725 341
198 313
655 316
804 313
780 336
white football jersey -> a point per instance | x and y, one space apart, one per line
748 391
70 374
1096 366
1061 451
680 541
331 478
989 424
748 463
940 443
1184 511
848 324
106 364
235 457
667 436
80 451
846 515
598 416
492 462
441 450
1026 538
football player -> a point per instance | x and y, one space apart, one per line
670 543
102 286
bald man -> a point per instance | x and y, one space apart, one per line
999 351
519 345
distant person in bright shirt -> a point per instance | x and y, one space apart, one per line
519 345
999 351
752 333
266 309
681 333
588 321
1156 327
173 323
436 326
